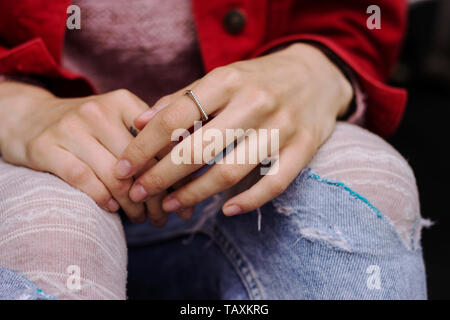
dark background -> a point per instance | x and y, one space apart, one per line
422 138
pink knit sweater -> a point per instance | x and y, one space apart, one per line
148 47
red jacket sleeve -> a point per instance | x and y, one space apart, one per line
371 54
32 32
31 41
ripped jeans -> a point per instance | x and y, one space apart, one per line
348 227
329 244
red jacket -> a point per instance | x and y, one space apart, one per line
32 34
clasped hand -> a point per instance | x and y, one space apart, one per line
87 141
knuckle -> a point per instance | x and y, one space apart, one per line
129 100
78 175
153 182
35 148
262 101
228 175
91 110
123 94
229 76
102 199
169 121
69 123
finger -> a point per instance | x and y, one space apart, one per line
141 121
129 105
166 172
78 174
111 125
101 161
292 160
157 215
157 134
187 212
113 135
218 178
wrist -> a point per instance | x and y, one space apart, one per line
316 61
18 100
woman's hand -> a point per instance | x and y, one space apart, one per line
297 90
78 140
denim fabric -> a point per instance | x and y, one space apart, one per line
318 240
15 286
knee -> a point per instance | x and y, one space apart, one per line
352 152
37 198
43 218
371 167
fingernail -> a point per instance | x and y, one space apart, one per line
138 193
112 205
146 116
232 210
123 168
171 204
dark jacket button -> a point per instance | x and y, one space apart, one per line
234 21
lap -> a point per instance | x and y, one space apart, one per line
351 217
347 227
328 236
320 241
